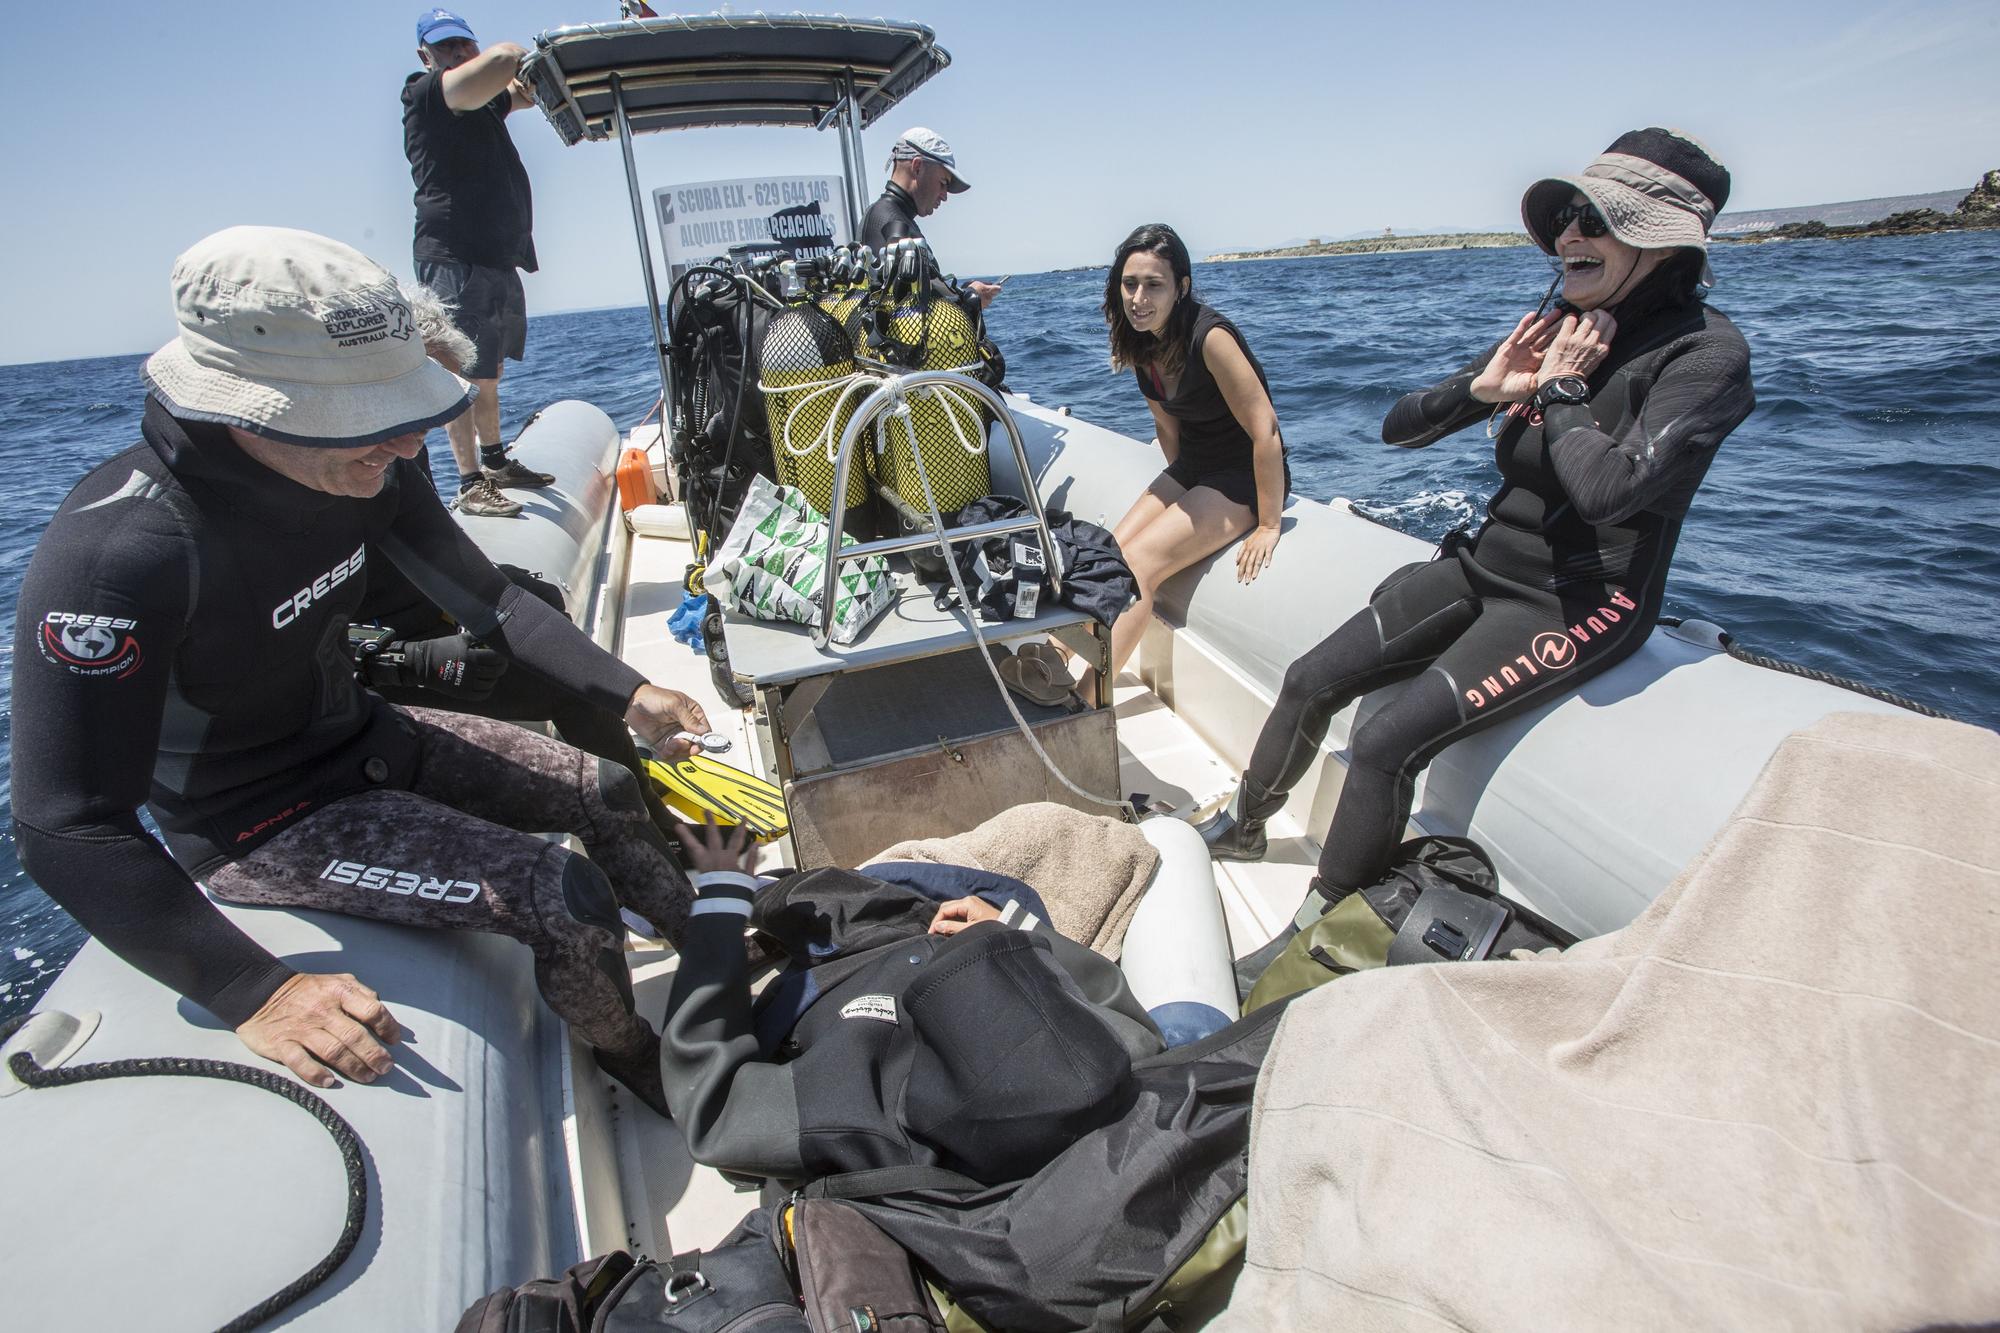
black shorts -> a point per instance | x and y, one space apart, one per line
488 306
1233 483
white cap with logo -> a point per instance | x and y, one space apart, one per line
918 142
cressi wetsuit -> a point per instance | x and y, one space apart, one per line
1215 450
180 644
1562 581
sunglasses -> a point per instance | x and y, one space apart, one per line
1589 221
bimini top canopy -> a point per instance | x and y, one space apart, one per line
686 73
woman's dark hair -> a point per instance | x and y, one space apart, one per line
1165 352
1676 282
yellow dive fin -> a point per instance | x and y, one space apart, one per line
700 785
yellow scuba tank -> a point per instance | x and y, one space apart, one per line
806 372
851 274
919 326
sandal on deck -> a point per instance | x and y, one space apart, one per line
1030 676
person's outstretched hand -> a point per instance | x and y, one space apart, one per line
658 715
319 1024
1509 376
712 847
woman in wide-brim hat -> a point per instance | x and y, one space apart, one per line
1606 414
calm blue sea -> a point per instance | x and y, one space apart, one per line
1853 523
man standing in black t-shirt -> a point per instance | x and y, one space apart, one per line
475 223
922 171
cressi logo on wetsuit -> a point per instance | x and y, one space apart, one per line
402 883
91 645
288 611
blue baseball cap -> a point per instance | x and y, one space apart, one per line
441 25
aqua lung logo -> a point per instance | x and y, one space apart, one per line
288 611
399 883
88 645
1551 651
369 319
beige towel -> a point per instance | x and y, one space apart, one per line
1771 1102
1091 870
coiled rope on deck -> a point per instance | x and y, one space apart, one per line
32 1074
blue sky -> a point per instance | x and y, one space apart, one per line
135 129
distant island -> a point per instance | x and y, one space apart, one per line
1979 209
1375 245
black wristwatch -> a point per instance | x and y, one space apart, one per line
1562 389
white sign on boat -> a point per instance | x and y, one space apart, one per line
802 213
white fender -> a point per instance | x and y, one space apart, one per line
1176 956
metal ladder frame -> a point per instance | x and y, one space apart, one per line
888 397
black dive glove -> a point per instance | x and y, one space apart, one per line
456 665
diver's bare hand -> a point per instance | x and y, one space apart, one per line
710 847
1509 374
660 715
317 1024
1580 346
959 913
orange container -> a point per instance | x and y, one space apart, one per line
635 480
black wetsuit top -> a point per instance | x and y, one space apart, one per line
1597 491
893 217
474 205
180 643
1211 438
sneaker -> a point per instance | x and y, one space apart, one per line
482 498
512 473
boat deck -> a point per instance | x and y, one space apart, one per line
660 1190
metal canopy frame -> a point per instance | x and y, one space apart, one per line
601 81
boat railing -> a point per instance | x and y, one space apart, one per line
891 398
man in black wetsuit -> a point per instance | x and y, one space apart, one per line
922 171
1607 415
181 643
475 230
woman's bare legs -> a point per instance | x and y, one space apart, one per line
1166 530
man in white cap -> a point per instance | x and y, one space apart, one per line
180 644
922 171
475 230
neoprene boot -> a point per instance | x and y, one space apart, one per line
1236 832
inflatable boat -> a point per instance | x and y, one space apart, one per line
496 1152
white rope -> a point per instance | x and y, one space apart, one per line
901 412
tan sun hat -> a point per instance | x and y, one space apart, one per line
298 338
1657 190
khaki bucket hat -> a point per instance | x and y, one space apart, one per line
298 338
1658 189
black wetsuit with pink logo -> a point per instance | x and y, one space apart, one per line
1562 581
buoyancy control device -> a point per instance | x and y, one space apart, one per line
716 319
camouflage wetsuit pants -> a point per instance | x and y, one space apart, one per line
460 850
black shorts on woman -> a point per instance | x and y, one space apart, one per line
1562 582
1215 450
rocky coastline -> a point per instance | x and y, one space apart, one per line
1375 245
1978 210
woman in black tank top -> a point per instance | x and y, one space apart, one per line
1226 474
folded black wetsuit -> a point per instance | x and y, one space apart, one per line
1562 581
180 643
